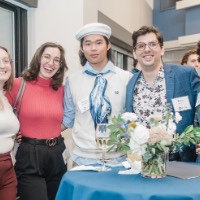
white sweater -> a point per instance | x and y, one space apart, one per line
83 131
9 126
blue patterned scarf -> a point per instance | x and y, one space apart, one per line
100 106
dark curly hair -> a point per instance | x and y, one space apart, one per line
144 30
32 72
9 83
198 50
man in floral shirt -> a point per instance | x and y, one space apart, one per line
158 84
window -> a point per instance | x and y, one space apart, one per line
13 23
122 58
167 4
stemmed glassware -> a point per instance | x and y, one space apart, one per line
102 139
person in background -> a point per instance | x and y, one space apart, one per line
93 93
158 84
39 161
8 129
198 145
198 53
198 50
191 58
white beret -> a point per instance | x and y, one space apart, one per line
93 29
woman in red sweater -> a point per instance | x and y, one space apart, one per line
39 162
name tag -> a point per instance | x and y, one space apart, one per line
198 100
181 104
84 104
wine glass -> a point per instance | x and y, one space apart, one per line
102 139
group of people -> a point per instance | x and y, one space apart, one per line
89 97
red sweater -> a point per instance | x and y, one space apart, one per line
41 111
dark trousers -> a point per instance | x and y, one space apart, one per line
8 181
39 169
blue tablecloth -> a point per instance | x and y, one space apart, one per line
88 185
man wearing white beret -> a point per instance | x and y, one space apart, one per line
94 93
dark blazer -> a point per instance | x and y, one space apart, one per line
180 81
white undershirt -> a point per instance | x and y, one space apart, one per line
9 126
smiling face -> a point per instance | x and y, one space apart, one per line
95 50
50 62
5 67
151 56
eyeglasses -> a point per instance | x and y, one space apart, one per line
6 61
140 46
47 58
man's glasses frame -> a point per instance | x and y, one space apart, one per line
140 46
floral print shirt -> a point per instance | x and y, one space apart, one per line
150 99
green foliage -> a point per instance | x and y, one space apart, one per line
119 138
191 135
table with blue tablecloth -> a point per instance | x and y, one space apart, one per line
90 185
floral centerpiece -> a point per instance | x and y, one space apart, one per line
150 145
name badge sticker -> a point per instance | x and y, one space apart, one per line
84 104
181 104
198 100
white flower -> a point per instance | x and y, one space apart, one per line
137 148
155 117
128 116
162 126
178 117
139 138
171 128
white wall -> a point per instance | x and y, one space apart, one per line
56 21
130 14
151 3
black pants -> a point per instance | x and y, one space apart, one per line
39 169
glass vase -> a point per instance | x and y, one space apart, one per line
154 167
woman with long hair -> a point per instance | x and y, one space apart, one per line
39 161
8 129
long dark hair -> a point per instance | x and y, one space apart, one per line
9 83
32 72
82 57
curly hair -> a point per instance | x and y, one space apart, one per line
82 57
9 83
186 56
198 50
143 31
32 72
